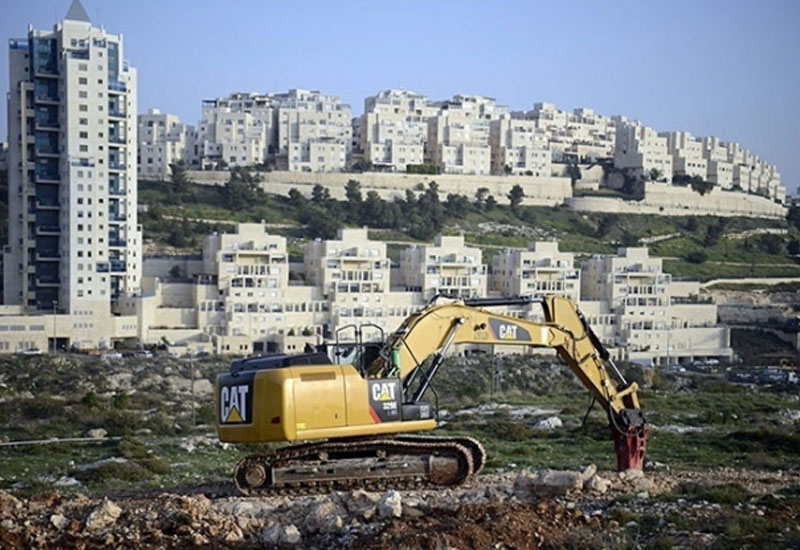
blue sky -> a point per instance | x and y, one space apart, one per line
725 68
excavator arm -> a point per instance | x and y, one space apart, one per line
430 334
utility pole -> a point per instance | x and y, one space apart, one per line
191 374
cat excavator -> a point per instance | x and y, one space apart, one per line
356 411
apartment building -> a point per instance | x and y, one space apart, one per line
314 131
74 241
448 267
391 133
163 141
540 270
238 130
580 136
640 150
458 136
519 147
687 154
720 171
645 315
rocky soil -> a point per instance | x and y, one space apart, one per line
541 509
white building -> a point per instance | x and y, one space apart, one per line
641 152
638 309
314 132
540 270
393 129
458 135
687 154
580 136
163 141
237 130
448 267
519 147
74 241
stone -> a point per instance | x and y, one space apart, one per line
644 484
97 433
390 505
199 540
270 535
58 521
8 502
547 482
290 535
588 472
203 387
550 423
102 516
8 524
66 481
322 517
597 484
234 534
630 475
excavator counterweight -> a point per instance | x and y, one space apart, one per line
361 421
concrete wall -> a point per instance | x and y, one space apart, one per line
160 266
543 191
670 200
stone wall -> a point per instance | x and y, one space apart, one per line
670 200
540 191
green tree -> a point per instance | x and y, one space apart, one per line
296 198
793 248
178 177
574 173
480 196
699 185
320 194
352 192
691 224
507 169
242 190
605 225
457 205
515 196
628 238
655 174
713 233
697 257
490 203
770 243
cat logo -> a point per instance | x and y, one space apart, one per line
508 332
233 402
383 392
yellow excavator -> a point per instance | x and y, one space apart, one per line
358 422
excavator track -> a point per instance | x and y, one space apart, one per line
380 463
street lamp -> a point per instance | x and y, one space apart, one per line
55 307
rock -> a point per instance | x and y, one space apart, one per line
104 515
597 484
629 475
8 503
644 495
390 505
550 423
66 481
547 482
120 381
203 387
97 433
588 472
643 484
199 540
323 517
8 525
234 534
58 521
99 463
178 384
280 534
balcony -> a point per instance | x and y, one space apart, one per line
48 280
116 191
47 255
114 112
47 177
117 267
116 139
117 243
47 124
116 166
45 98
117 87
102 268
47 229
115 217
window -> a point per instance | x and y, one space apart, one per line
83 135
83 80
83 121
83 95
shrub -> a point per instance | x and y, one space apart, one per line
697 257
